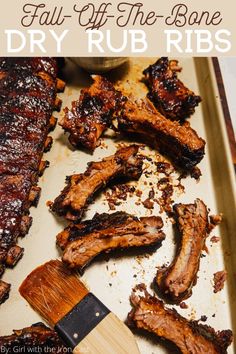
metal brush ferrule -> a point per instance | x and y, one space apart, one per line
81 320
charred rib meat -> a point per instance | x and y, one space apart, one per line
179 142
4 291
32 64
37 338
106 232
170 96
190 337
92 113
81 188
177 280
28 89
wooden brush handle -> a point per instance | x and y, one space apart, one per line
111 335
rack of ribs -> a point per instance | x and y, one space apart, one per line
170 96
179 142
176 281
37 338
92 113
107 232
81 188
28 89
190 337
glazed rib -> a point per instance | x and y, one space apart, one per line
28 89
176 281
170 96
190 337
80 189
179 142
106 232
37 338
30 64
92 113
4 291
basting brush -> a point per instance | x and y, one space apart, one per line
81 320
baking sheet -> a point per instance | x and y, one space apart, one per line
112 279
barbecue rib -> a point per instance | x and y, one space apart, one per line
190 337
179 142
106 232
34 65
4 291
174 100
177 280
28 89
81 188
38 338
92 113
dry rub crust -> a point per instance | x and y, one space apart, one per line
176 281
149 313
28 89
179 142
80 188
170 96
106 232
92 113
36 338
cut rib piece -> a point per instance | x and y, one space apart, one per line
92 113
179 142
170 96
80 189
190 337
107 232
176 281
37 338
